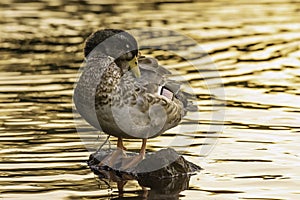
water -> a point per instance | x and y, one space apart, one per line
255 47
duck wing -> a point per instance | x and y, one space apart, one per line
155 79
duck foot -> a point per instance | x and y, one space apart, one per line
131 162
118 160
113 159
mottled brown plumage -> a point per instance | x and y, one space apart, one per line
112 99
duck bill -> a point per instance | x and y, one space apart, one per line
133 64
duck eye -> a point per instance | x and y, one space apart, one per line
129 56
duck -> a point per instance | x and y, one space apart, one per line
126 94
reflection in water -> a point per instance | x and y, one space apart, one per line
166 188
254 45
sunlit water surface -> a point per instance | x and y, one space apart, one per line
255 47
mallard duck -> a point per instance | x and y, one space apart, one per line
125 94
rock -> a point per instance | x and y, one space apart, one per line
165 163
164 171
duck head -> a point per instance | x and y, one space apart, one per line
117 44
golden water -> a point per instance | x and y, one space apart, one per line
255 46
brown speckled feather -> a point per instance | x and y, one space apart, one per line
124 106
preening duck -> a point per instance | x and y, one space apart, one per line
125 94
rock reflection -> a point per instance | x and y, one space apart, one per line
167 189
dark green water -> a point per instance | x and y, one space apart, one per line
255 47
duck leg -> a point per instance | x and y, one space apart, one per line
130 162
115 156
120 144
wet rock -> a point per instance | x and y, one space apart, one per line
164 170
163 164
